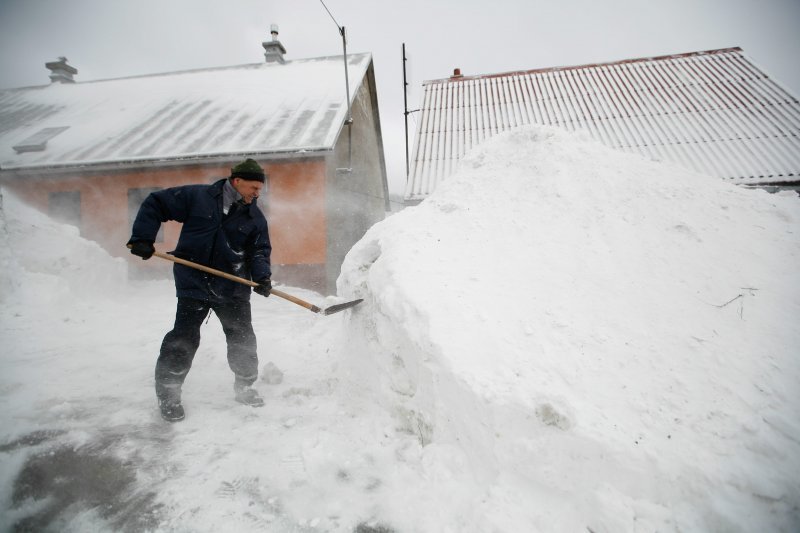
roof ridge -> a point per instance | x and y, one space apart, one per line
189 71
588 65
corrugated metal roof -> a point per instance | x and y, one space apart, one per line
258 108
714 112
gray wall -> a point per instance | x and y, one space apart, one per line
357 199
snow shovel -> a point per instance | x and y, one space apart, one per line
302 303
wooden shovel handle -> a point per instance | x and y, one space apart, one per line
296 300
204 268
220 273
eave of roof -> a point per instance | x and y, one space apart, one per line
189 160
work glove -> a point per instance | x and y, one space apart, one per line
264 286
143 249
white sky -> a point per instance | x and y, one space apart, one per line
105 39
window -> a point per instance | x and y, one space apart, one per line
65 206
38 141
135 199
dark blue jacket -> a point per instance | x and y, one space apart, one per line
237 243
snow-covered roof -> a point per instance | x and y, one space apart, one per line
262 108
714 112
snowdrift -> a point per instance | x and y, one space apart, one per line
583 340
44 259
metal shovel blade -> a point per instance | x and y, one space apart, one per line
341 307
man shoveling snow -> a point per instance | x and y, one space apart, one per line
222 228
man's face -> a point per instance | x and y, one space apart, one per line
249 189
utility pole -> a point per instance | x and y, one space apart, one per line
405 106
349 120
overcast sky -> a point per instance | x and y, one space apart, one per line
112 38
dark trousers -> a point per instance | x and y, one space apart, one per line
180 344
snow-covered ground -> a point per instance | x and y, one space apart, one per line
562 338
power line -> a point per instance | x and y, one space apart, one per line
349 120
331 15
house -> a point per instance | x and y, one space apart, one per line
90 152
714 112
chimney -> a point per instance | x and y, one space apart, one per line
61 72
456 74
274 50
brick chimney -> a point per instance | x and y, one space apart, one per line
274 50
456 74
60 71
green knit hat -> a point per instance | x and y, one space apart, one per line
248 170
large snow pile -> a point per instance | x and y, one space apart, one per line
584 339
563 338
43 258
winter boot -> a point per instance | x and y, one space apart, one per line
247 395
169 402
171 411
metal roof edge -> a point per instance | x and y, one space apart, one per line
795 183
784 87
588 65
772 179
164 161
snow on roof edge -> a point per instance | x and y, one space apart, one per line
177 160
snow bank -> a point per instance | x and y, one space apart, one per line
46 260
583 339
